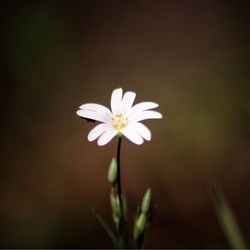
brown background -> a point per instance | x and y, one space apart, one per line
191 57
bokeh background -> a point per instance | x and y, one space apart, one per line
191 57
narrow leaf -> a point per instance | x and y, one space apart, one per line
106 228
227 220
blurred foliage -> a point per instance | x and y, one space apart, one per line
227 220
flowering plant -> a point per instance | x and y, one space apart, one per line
123 119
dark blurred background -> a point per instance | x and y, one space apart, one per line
191 57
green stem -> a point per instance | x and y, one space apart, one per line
122 227
119 189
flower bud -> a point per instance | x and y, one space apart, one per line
136 233
115 204
112 172
141 223
146 201
116 219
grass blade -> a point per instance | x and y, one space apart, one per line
227 220
106 228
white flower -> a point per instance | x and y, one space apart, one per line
123 119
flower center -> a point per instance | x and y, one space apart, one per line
119 121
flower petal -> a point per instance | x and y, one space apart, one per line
127 101
141 129
149 114
97 131
142 106
107 136
96 107
92 115
116 99
132 135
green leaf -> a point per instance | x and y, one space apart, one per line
106 228
227 220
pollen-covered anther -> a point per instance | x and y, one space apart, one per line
119 121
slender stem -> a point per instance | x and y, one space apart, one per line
122 228
119 188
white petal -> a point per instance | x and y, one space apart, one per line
146 115
127 101
132 135
142 106
93 115
141 129
96 107
107 136
116 99
97 131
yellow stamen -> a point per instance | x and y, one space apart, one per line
119 121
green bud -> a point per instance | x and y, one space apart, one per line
141 223
135 230
115 204
136 233
116 220
112 172
146 201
